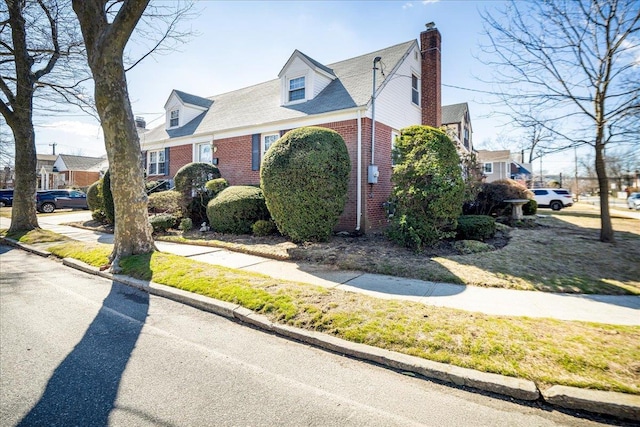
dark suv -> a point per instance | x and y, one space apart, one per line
48 201
6 198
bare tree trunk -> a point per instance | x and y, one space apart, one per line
606 229
23 212
105 42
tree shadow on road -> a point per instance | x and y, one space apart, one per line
83 388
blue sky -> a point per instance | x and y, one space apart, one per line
242 43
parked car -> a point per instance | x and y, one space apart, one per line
6 197
554 198
633 201
48 201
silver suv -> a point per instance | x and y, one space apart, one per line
554 198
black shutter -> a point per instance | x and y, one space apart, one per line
166 161
255 152
282 132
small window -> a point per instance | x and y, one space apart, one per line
174 119
203 153
267 140
415 94
296 89
156 164
487 168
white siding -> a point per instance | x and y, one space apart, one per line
314 82
186 113
393 104
319 83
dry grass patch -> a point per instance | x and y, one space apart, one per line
546 351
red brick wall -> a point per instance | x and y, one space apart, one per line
234 156
431 102
80 178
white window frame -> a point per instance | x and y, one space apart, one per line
174 117
198 152
486 170
303 88
153 163
415 90
272 137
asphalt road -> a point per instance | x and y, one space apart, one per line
77 350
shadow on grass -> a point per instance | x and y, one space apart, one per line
84 387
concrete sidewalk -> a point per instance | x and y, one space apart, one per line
619 310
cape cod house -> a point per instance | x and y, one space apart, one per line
366 99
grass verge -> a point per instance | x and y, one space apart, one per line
580 354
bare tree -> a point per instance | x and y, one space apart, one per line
35 37
106 28
573 61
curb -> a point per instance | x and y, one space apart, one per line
620 405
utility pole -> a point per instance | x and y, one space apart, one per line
575 159
53 144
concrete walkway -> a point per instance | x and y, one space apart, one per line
619 310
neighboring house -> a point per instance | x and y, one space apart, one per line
233 130
502 164
457 121
73 171
44 170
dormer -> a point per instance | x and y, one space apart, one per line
182 107
302 78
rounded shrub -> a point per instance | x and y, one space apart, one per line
162 222
165 202
305 176
236 209
428 188
190 182
107 199
475 227
530 208
264 227
94 196
186 224
490 200
215 186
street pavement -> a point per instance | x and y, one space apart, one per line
81 350
610 309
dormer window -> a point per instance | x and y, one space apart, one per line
296 89
174 118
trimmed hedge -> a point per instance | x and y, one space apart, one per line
236 209
215 186
530 208
190 182
94 196
165 202
264 227
475 227
305 176
428 188
162 222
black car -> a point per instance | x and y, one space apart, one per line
6 198
48 201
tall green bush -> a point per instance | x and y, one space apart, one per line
191 181
305 176
236 209
428 188
94 196
107 199
165 202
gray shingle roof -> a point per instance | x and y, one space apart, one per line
80 163
187 98
454 113
260 104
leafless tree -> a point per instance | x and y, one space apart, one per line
575 61
36 36
107 26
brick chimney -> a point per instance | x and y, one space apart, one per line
431 81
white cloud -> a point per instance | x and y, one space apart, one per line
407 5
426 2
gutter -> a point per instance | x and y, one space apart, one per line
359 174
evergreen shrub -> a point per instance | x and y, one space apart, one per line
428 188
107 199
475 227
305 176
236 209
264 227
165 202
490 200
190 181
162 222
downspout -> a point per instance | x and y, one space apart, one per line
359 174
373 111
